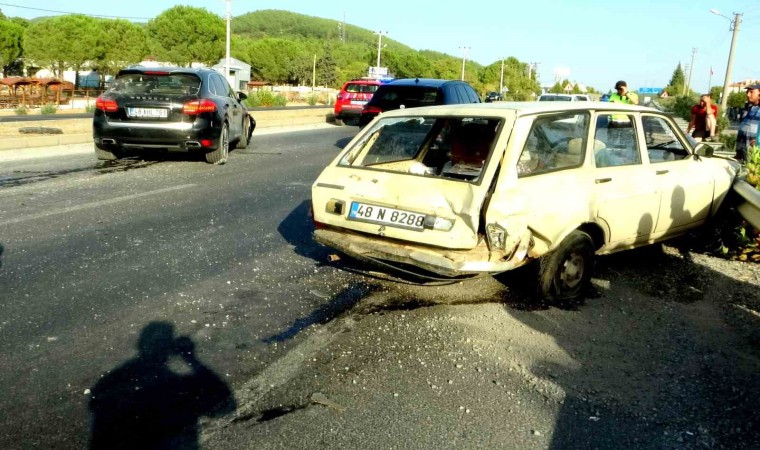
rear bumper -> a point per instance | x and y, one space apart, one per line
172 135
448 263
349 112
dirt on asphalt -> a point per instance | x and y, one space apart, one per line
662 354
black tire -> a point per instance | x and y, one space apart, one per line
244 137
565 273
219 156
105 155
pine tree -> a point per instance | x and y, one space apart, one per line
677 82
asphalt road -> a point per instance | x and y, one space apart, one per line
98 258
92 252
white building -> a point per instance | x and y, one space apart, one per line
240 73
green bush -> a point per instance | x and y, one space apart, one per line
89 108
48 108
753 166
21 111
721 124
681 106
729 141
311 100
265 98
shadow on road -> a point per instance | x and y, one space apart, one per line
296 229
666 358
148 403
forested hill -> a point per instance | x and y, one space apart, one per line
274 23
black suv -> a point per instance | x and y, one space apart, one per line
413 92
171 108
493 96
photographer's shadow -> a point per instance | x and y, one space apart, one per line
145 404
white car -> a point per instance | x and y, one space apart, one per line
483 189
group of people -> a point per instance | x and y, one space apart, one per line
704 115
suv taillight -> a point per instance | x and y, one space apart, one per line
195 107
371 109
106 104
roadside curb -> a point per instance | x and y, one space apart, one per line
278 119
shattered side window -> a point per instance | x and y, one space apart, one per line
449 147
555 142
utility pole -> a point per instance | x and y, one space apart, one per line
691 68
464 59
737 20
227 55
314 73
501 80
379 45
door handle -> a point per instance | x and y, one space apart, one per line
602 180
661 172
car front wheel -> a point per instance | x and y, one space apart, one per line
219 156
566 272
245 137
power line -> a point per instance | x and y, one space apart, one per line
69 12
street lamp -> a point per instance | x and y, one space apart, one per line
735 23
379 44
464 59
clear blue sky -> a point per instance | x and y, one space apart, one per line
589 41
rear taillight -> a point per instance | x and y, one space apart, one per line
371 109
195 107
106 104
340 96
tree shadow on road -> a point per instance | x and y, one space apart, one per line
667 357
147 402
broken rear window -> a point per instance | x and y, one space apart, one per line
450 147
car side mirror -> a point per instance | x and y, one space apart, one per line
242 96
703 149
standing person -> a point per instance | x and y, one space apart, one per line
703 119
623 95
747 135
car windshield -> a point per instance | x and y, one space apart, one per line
361 88
142 83
455 148
393 97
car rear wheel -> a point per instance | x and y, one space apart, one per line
566 272
219 156
106 155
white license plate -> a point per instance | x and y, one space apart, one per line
148 113
358 102
386 216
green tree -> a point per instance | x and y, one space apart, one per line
557 88
63 42
11 37
124 43
677 82
737 99
184 35
326 69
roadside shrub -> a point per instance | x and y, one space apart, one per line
753 167
728 141
89 108
721 124
48 108
21 111
681 106
265 98
311 100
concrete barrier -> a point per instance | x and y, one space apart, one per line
78 131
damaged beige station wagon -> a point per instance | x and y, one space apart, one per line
483 189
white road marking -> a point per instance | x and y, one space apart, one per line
110 201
